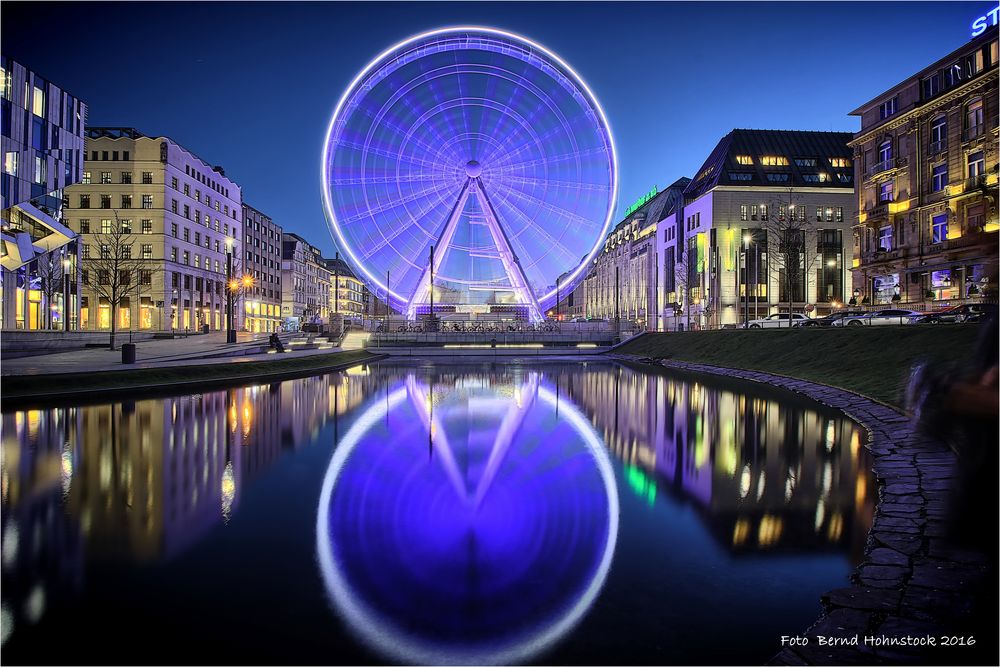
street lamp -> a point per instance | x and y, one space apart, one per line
746 279
230 331
66 266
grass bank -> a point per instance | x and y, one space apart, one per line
32 388
874 362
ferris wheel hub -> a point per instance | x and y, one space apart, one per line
473 169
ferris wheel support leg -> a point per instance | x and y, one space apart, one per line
443 244
510 262
505 435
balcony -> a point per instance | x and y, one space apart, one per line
879 209
974 132
884 166
975 183
938 147
879 256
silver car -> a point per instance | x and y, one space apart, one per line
880 318
775 321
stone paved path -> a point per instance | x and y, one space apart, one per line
911 582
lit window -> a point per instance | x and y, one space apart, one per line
147 201
38 102
744 159
885 238
773 161
940 177
105 177
977 166
939 133
885 191
840 162
10 163
885 154
743 212
86 178
939 228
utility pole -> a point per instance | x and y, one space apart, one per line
557 299
432 282
230 329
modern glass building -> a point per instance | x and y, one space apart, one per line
42 144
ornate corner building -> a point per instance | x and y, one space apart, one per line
926 183
42 144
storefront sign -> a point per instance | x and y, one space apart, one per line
640 201
988 20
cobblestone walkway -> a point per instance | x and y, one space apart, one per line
911 582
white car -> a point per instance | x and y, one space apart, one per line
880 318
775 321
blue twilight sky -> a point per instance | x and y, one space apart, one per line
251 86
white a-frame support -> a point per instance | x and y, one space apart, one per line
511 265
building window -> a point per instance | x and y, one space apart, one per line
173 206
840 162
744 159
106 226
839 215
173 255
187 211
887 108
939 178
763 211
819 214
939 134
777 178
740 176
84 226
885 238
126 201
974 119
773 161
84 201
977 166
753 211
173 229
885 191
805 162
187 258
126 252
743 212
173 182
145 277
187 190
885 154
829 214
931 86
939 228
105 251
187 234
127 226
105 177
126 177
105 201
147 178
147 226
147 201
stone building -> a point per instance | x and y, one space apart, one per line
764 225
926 183
261 261
176 216
305 283
42 145
348 295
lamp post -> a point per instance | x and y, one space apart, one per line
66 309
746 280
230 331
557 299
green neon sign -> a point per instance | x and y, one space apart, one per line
641 485
641 200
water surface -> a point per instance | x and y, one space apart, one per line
426 512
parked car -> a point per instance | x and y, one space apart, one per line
880 318
967 312
775 321
830 319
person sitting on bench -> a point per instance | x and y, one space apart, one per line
276 343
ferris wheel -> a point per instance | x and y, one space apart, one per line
469 166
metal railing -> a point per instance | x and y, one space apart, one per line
938 146
974 132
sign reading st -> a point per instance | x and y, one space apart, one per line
985 21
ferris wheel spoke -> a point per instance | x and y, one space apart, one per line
567 253
394 203
553 159
440 203
549 206
390 155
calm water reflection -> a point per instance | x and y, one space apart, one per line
417 512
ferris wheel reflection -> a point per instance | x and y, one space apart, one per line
467 523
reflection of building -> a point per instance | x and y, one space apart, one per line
778 202
42 146
765 474
926 165
174 211
623 281
262 260
305 282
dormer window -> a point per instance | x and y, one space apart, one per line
840 162
773 161
744 159
887 108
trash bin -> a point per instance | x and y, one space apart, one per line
128 353
204 328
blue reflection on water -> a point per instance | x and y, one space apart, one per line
469 523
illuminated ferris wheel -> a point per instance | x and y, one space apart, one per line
481 145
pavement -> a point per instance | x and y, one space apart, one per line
158 353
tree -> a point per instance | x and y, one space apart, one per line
50 273
115 267
786 222
682 280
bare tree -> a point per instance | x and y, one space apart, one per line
116 267
786 221
50 274
681 282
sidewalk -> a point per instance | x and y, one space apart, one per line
161 353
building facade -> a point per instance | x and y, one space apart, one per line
624 280
766 227
305 283
261 261
926 174
348 295
42 144
162 220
